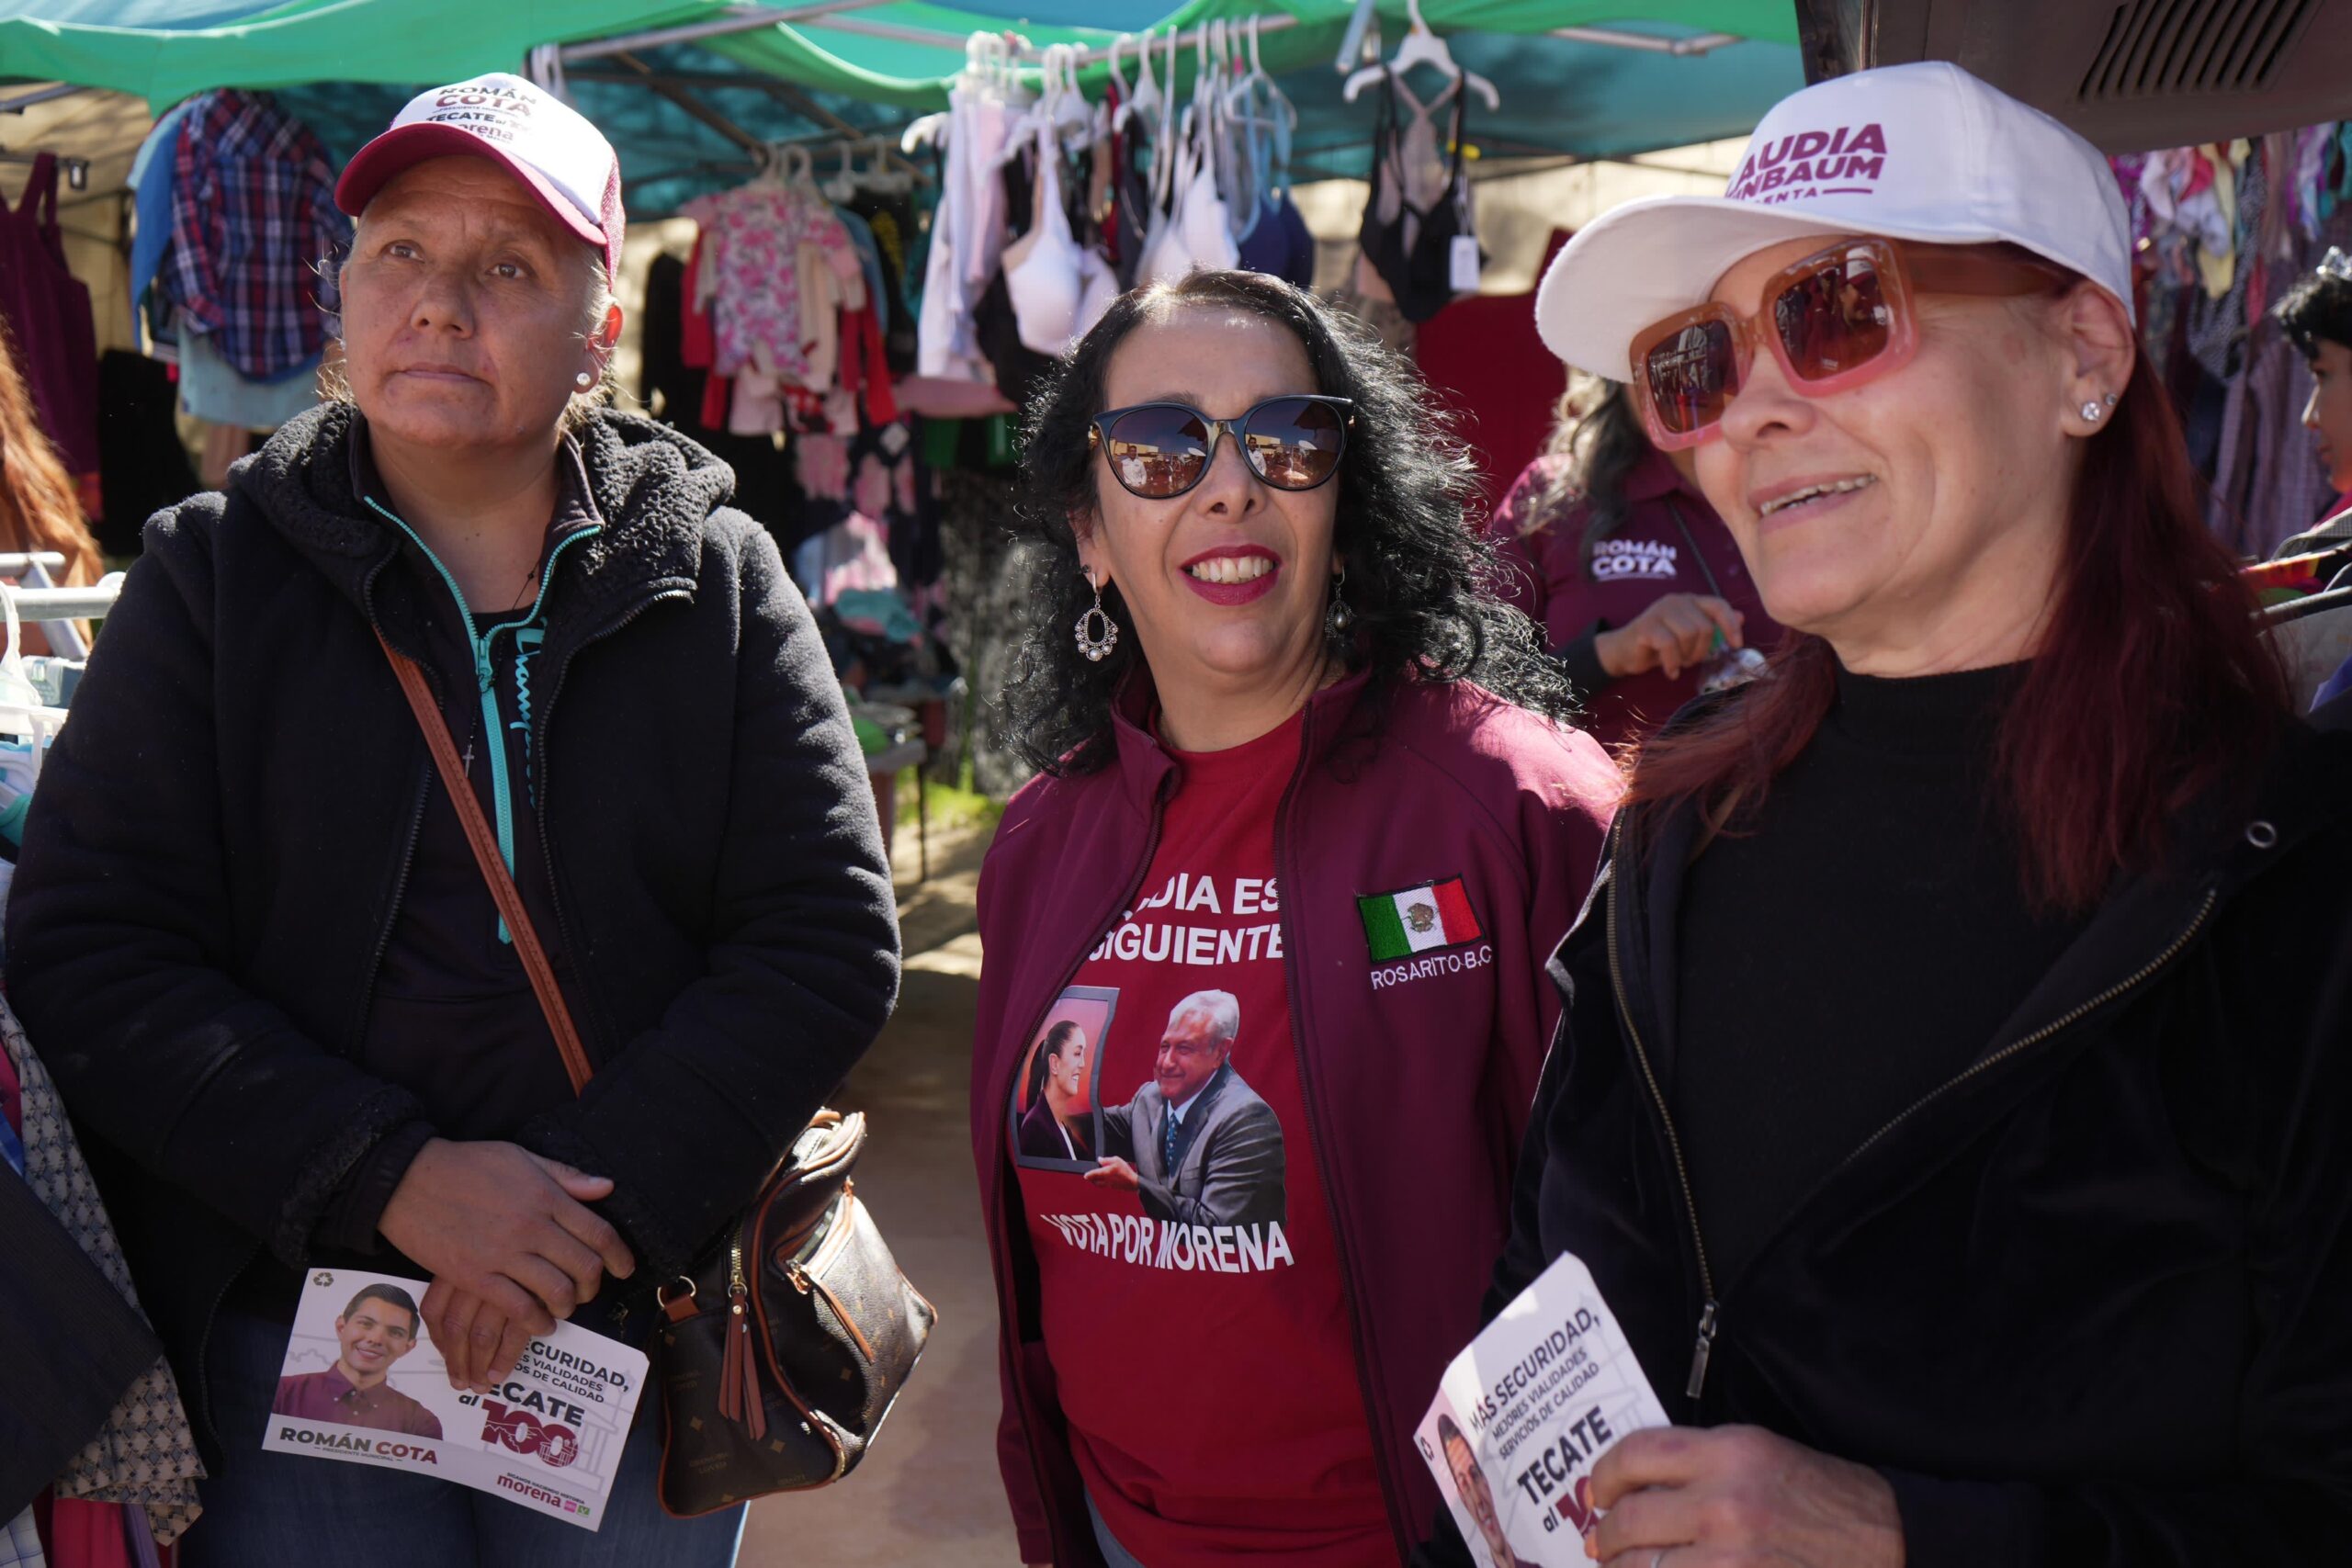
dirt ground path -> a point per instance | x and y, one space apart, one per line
928 1493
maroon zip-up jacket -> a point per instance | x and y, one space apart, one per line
1417 1090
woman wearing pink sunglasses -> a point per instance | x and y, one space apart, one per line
1989 1198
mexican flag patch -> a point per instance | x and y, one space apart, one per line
1398 925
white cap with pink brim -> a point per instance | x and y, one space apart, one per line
543 141
1924 152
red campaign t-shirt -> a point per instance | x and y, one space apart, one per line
1196 1324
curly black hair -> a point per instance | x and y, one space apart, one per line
1419 572
2317 308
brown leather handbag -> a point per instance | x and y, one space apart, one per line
785 1347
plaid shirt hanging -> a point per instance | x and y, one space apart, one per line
255 235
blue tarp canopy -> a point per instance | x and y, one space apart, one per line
677 108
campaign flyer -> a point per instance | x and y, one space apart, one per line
363 1383
1524 1413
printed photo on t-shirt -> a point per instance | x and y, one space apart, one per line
1175 1125
1052 1095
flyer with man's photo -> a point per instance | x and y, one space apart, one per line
1524 1413
363 1383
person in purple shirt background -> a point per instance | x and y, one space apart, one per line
377 1329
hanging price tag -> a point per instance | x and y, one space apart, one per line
1463 269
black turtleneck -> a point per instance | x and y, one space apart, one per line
1858 945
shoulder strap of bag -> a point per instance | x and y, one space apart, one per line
39 201
494 866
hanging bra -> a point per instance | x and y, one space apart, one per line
1273 239
1198 234
1412 248
1044 270
1131 203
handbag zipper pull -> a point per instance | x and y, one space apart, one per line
738 1375
1700 1352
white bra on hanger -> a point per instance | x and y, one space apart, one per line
1198 233
1044 269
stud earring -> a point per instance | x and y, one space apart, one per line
583 381
2095 410
1098 634
1338 618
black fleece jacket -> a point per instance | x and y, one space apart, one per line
2084 1303
220 842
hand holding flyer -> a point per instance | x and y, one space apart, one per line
1523 1413
363 1383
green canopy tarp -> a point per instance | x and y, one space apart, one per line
345 65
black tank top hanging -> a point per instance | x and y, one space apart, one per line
1413 253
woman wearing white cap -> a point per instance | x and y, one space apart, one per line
1989 1199
250 932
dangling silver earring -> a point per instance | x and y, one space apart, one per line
1338 618
1098 634
583 381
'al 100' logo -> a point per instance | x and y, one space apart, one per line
527 1434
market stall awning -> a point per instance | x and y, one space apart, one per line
695 83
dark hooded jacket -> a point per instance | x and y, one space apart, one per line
223 838
2084 1303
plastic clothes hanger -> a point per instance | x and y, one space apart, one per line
1074 118
1421 47
800 171
1256 87
879 175
1117 80
920 133
1147 94
844 183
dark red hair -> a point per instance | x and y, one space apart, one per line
2151 686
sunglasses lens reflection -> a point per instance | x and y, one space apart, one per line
1157 452
1835 319
1691 374
1294 443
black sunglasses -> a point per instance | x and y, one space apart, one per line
1160 450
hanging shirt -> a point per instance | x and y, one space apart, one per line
1197 1325
46 309
256 234
150 180
752 237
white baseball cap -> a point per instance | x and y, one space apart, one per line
1923 151
540 140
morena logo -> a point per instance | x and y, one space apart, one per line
1846 161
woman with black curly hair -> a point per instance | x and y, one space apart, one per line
1294 749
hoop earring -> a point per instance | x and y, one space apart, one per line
1098 634
1339 618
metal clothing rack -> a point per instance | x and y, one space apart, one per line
77 170
66 603
56 607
